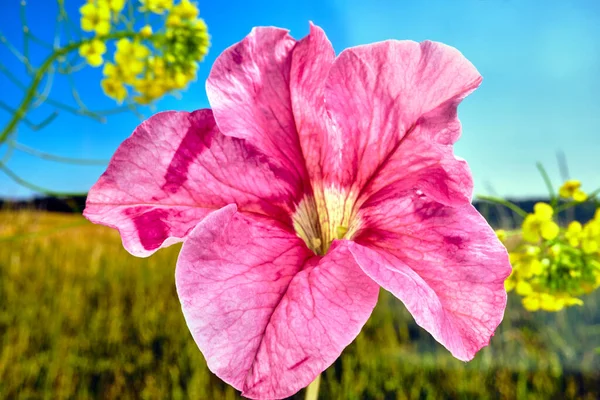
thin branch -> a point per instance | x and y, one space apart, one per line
98 115
119 110
41 71
56 41
130 13
16 53
47 87
31 125
70 27
75 93
54 157
47 121
548 183
40 41
70 69
12 175
25 28
75 111
506 203
9 152
131 106
11 77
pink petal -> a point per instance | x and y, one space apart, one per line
444 263
425 166
174 169
312 59
248 90
266 313
377 94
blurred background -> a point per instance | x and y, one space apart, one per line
81 318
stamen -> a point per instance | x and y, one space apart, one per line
328 216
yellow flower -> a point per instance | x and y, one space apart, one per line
127 48
558 302
173 20
590 285
573 233
156 6
549 302
596 218
110 70
130 58
527 263
530 263
114 88
540 223
571 189
501 234
92 52
150 89
510 282
95 18
146 31
116 5
590 237
186 10
531 302
524 288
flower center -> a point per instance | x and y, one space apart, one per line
324 217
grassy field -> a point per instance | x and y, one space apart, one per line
81 318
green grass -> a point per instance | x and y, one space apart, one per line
81 318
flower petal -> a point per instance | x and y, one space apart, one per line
174 169
312 59
425 166
248 90
378 94
445 263
267 314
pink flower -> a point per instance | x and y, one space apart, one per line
311 182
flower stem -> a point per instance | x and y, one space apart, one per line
312 390
41 72
53 157
548 182
8 172
506 203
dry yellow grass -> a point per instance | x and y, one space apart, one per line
81 318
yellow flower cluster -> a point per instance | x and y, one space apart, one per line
571 189
96 15
553 266
540 224
156 6
147 64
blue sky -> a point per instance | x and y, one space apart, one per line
540 60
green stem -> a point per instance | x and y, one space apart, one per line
25 28
8 154
548 183
27 122
312 390
506 203
41 71
11 77
16 53
35 187
53 157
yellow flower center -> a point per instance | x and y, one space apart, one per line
324 217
